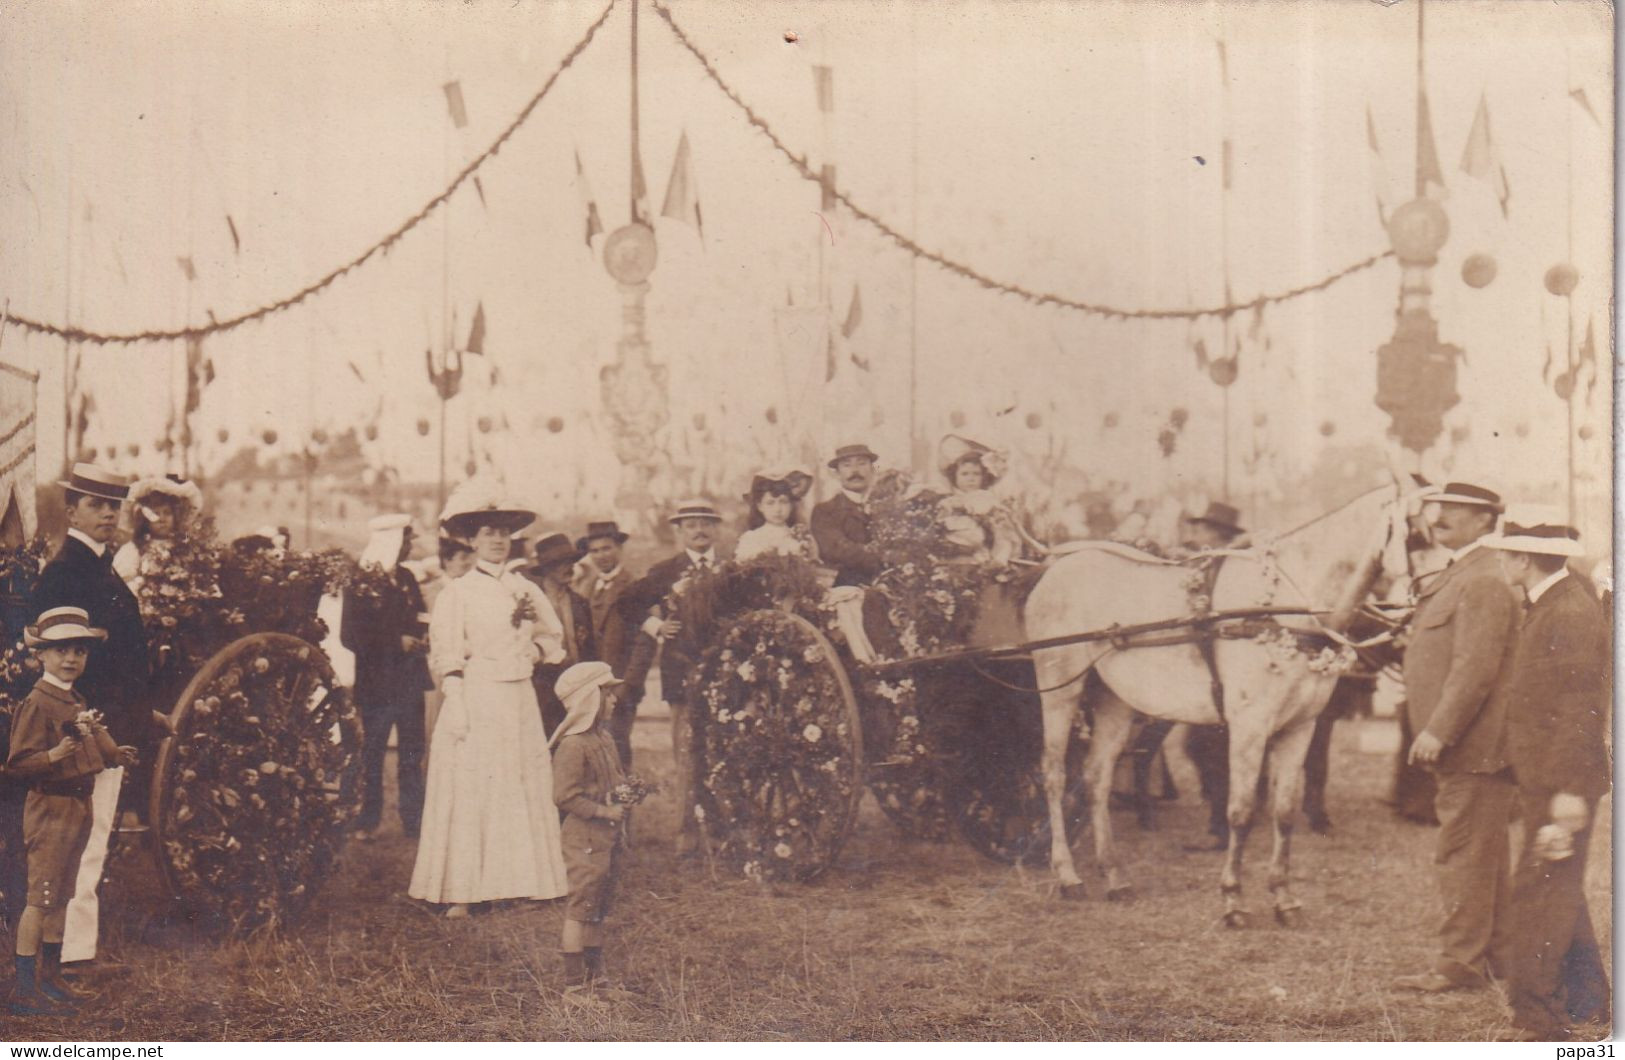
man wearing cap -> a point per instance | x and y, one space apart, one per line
1460 638
384 626
840 525
551 571
603 580
115 679
1556 699
652 602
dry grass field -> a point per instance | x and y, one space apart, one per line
899 940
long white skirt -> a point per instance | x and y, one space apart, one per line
490 829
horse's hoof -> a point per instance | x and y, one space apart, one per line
1291 917
1123 892
1237 918
1073 892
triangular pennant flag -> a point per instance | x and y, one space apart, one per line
187 268
1546 366
1202 359
355 371
595 225
454 101
1479 161
476 333
829 359
1588 354
682 196
1579 96
854 314
789 297
1379 170
236 240
1427 152
479 189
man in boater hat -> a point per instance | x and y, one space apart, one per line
1460 639
840 525
115 678
1556 699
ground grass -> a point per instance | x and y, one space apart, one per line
899 940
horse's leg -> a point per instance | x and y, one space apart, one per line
1249 737
1114 722
1286 753
1060 709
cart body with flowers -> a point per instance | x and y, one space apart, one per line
258 774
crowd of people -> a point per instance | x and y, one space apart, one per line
511 699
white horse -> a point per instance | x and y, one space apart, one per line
1272 691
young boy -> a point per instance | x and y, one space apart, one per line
586 769
57 746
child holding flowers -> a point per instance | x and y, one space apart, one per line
594 795
57 745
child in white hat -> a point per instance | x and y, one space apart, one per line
586 773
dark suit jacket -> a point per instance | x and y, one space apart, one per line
1460 641
840 527
1556 695
676 655
115 677
610 629
372 628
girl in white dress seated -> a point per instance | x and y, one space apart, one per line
775 524
974 517
490 829
161 510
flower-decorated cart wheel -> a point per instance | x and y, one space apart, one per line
254 792
780 747
907 764
995 739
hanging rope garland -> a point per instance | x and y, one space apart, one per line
805 169
467 173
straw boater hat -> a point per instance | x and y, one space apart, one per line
475 504
96 482
797 480
694 509
553 550
604 529
1223 516
1465 493
953 449
852 450
1545 539
62 625
577 688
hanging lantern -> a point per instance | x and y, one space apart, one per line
772 414
1478 270
423 427
319 436
1223 370
164 445
484 424
469 468
224 435
699 421
956 419
1034 421
1586 433
134 448
1327 428
1564 385
1178 418
555 424
371 432
1110 421
1561 280
268 436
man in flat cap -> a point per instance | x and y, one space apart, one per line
840 525
115 679
1556 698
387 632
1460 638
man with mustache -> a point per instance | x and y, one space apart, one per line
840 525
1460 639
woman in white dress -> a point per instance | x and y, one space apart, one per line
775 524
490 829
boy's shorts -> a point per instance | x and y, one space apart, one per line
56 830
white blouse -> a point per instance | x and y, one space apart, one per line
473 627
767 539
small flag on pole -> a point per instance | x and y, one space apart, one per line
595 225
1588 354
1379 170
1479 161
682 196
454 102
476 333
854 314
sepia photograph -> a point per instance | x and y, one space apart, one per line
700 520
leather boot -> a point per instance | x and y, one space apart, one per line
27 999
50 977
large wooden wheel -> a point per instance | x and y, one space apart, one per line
254 791
779 747
996 737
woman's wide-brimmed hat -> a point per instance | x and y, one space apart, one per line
797 481
172 487
954 449
1224 516
1465 493
479 503
552 550
577 689
1545 539
695 509
96 482
62 625
845 451
607 528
